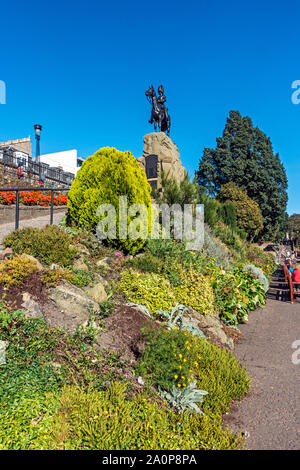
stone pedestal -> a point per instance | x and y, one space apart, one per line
160 151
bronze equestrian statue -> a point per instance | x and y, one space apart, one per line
159 113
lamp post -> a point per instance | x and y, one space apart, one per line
38 130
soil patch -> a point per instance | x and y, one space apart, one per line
13 295
123 332
236 335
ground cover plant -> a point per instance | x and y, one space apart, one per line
14 270
49 245
40 360
156 293
177 358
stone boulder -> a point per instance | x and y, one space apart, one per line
69 298
39 266
97 292
105 263
212 327
30 307
5 253
79 263
158 143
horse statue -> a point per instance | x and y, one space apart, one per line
159 113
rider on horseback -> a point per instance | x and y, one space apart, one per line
159 112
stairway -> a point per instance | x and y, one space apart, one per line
278 289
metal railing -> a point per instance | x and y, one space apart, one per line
20 190
8 159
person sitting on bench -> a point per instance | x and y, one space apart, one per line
296 277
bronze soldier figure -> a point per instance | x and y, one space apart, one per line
159 113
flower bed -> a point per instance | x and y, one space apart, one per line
34 198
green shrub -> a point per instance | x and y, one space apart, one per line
215 249
171 355
248 214
157 293
101 180
108 420
40 360
14 271
49 244
257 274
165 249
195 291
79 277
148 289
147 262
236 293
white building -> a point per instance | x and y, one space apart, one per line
68 160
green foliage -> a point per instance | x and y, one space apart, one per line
156 293
248 214
174 319
244 155
236 293
49 244
79 277
195 291
215 249
168 358
220 373
14 271
212 209
91 242
257 274
109 420
216 370
148 289
184 192
40 360
165 249
229 215
147 262
264 261
101 180
186 398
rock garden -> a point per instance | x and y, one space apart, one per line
123 343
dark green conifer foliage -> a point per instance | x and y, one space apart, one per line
244 155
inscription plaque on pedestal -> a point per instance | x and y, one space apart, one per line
151 166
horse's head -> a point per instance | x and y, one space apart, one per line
150 92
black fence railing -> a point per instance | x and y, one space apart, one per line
10 160
20 190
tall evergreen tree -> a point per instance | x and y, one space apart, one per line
244 155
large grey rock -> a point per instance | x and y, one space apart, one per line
105 263
158 143
79 263
82 250
97 292
5 253
71 299
212 327
30 307
39 266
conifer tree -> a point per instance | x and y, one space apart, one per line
244 155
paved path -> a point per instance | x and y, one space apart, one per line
270 413
38 222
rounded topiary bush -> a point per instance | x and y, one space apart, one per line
102 179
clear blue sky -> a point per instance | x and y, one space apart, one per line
81 70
